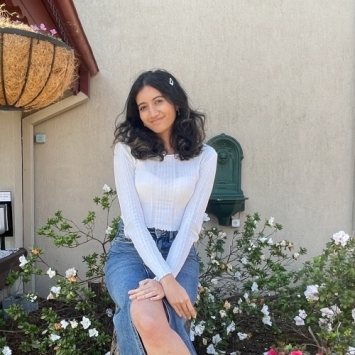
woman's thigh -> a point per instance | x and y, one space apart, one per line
123 271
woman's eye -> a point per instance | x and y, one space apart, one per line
142 108
159 101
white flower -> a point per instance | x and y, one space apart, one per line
205 217
54 337
214 281
302 313
322 321
33 298
254 287
327 312
93 332
244 260
270 241
214 261
263 239
353 314
340 238
109 312
23 261
283 243
51 273
296 256
335 309
70 272
351 351
86 322
229 267
106 188
211 350
299 320
64 323
262 257
210 297
6 350
192 334
267 320
242 336
73 323
230 328
199 328
312 292
265 310
235 310
216 339
56 290
271 221
222 313
222 235
109 230
246 295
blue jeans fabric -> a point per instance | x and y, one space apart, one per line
124 269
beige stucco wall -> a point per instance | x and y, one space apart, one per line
11 170
275 74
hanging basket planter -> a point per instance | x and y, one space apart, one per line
35 69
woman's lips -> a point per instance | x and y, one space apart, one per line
157 120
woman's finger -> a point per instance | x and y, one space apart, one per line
157 297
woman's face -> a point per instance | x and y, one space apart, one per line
156 113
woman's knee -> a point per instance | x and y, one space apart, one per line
149 318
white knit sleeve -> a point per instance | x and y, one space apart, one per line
131 209
193 215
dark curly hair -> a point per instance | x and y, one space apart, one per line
188 131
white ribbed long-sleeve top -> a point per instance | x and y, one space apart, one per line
169 195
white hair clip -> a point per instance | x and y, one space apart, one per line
171 82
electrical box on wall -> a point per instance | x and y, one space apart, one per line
6 223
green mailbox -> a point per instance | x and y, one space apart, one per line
227 197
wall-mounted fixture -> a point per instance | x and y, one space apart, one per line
6 228
40 138
227 197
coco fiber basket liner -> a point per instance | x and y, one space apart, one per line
35 69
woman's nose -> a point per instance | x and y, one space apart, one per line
153 111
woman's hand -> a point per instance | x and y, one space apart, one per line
147 289
178 297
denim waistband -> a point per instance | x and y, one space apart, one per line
162 238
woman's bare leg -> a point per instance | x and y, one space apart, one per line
152 325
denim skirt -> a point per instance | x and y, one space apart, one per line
124 269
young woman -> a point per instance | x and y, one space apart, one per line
164 176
